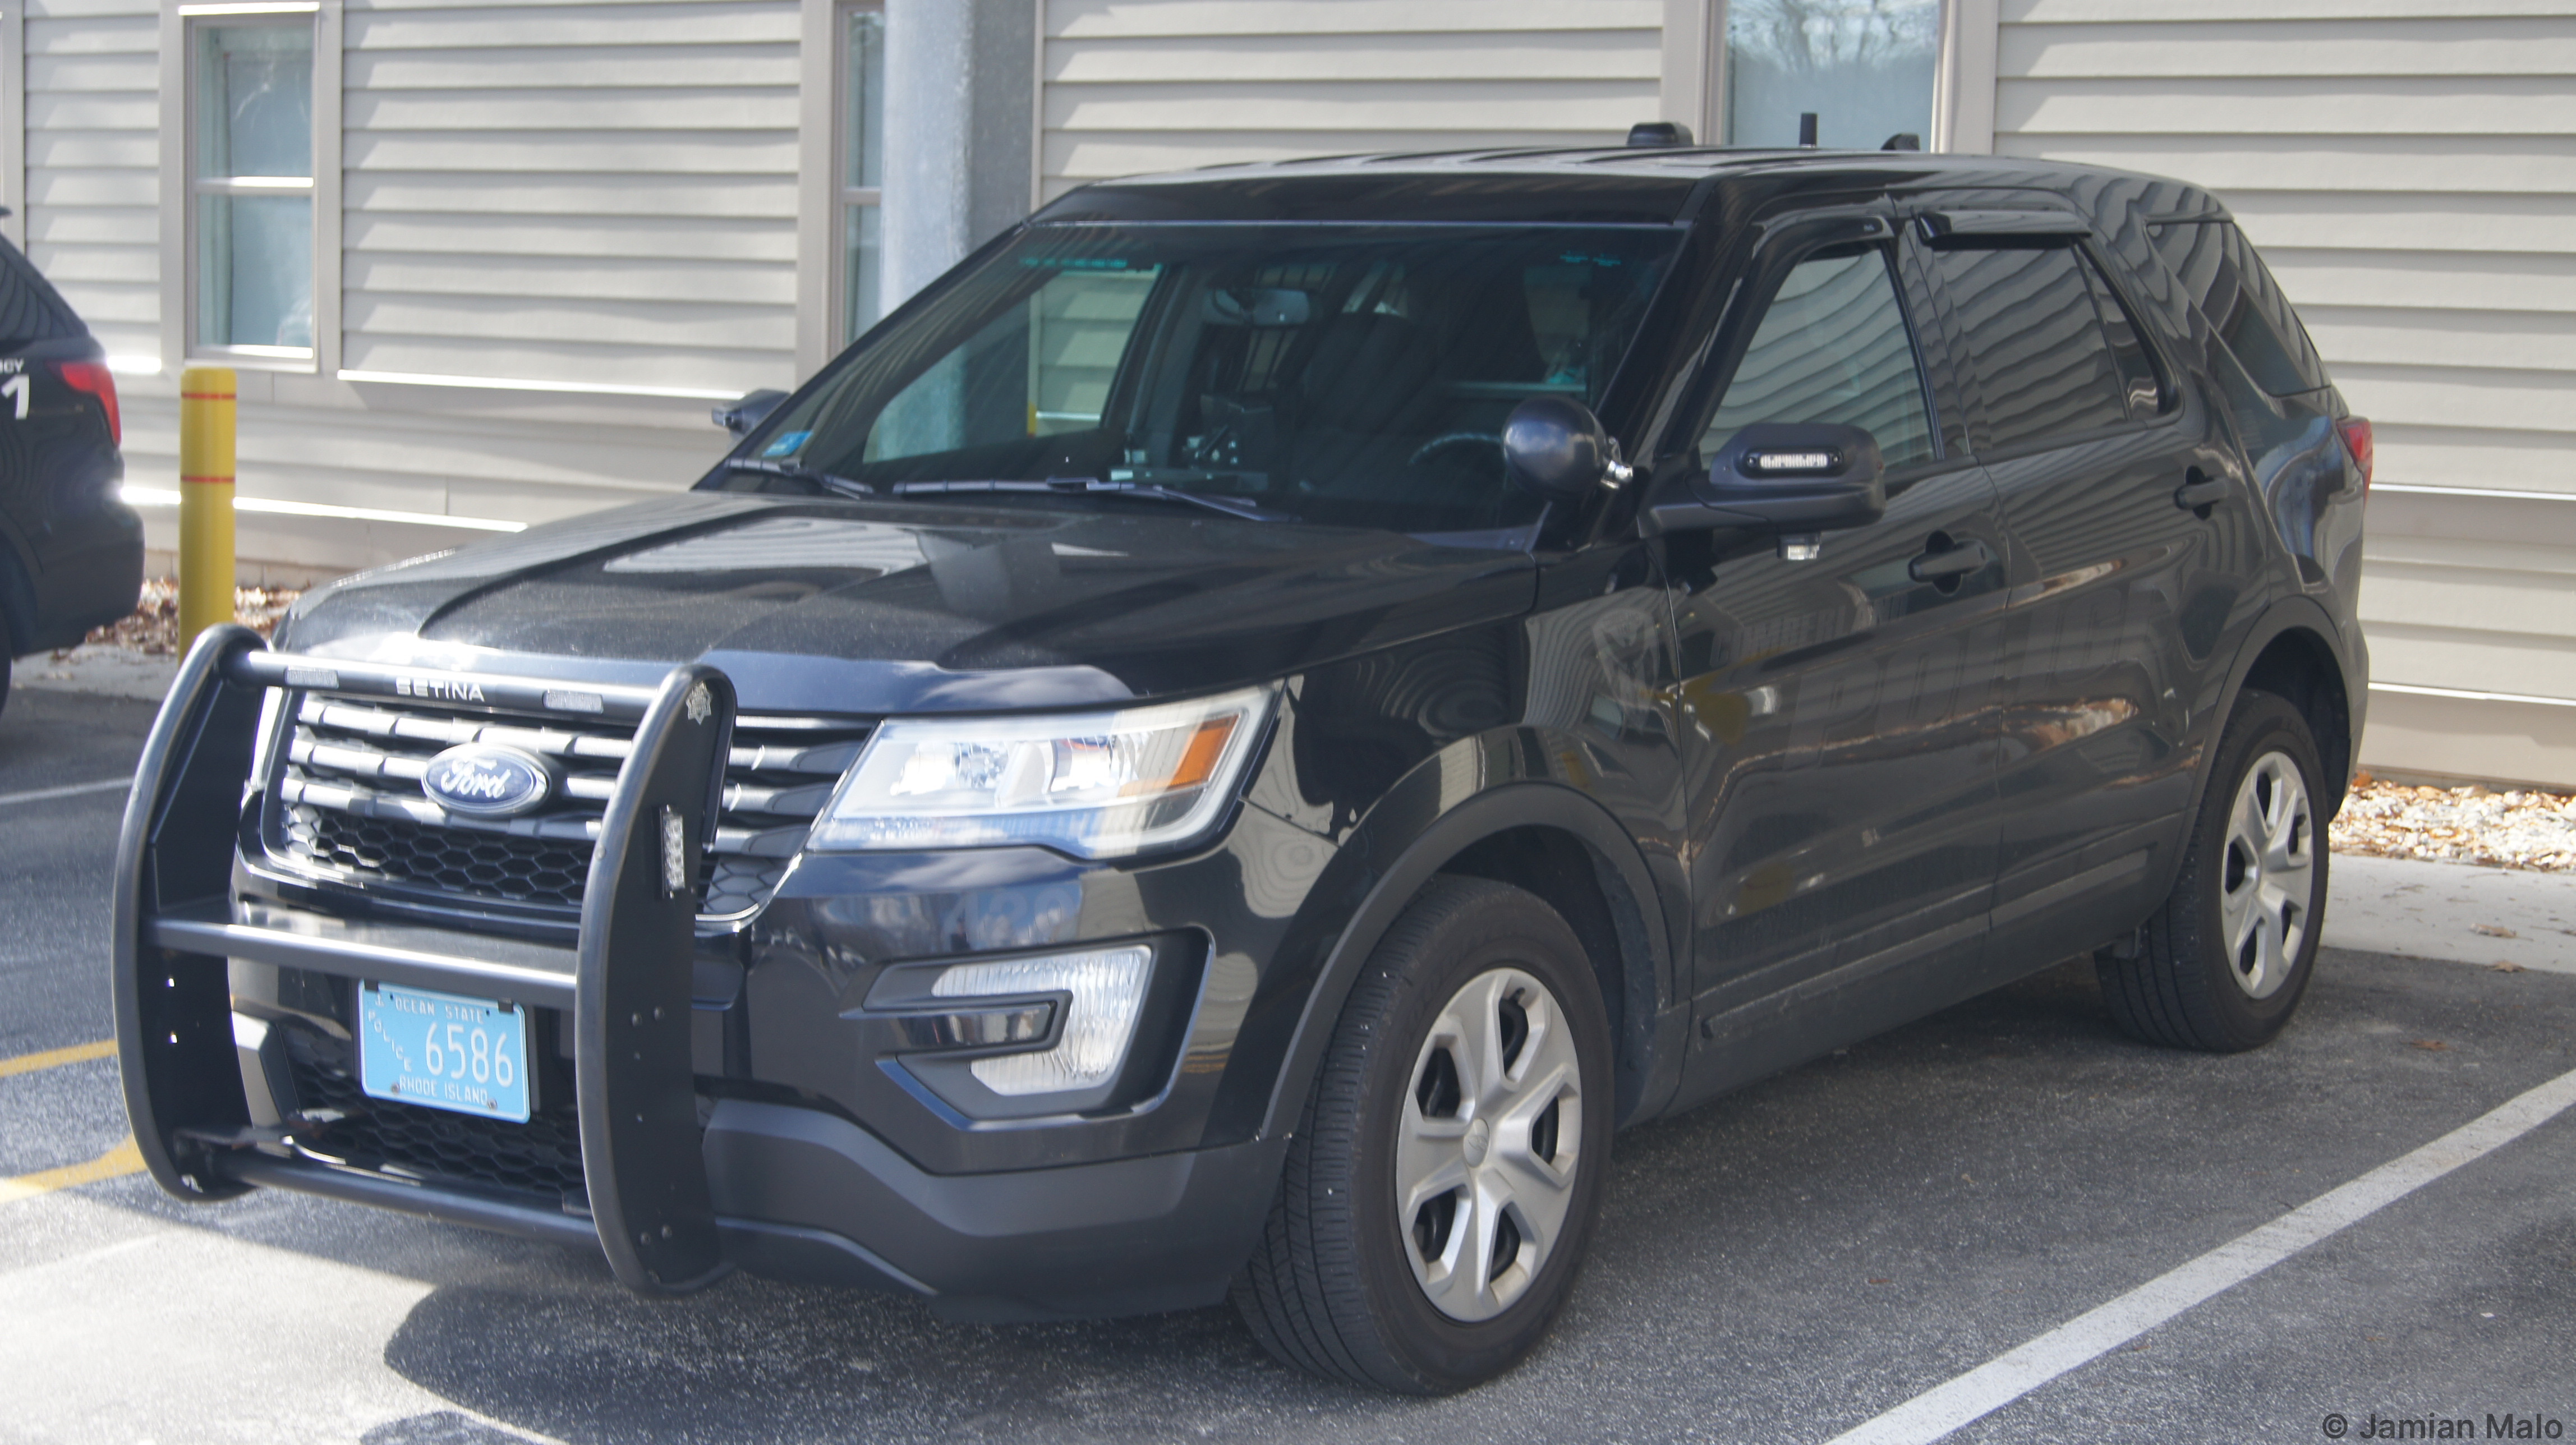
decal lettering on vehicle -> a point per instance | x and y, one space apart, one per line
444 689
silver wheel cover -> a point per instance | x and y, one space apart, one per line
1486 1154
2267 882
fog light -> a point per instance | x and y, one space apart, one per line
1105 993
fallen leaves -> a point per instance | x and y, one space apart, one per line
2430 1046
2513 829
152 628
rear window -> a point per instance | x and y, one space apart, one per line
30 308
2220 270
2035 335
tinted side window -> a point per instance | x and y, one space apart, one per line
1832 348
2221 272
30 309
2037 340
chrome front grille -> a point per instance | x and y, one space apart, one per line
348 803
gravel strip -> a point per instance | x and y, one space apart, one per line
2458 825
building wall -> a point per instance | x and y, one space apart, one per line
2407 169
1150 85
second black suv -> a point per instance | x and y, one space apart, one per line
1232 741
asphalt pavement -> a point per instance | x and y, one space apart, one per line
1788 1264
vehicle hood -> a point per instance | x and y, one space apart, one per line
826 606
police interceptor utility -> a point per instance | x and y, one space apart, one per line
1225 747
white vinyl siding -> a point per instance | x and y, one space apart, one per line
92 212
1147 85
2410 178
580 194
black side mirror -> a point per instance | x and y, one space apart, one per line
1554 446
754 408
1779 477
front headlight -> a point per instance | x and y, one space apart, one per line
1096 785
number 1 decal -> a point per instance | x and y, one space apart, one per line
17 387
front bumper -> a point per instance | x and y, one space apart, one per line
690 1153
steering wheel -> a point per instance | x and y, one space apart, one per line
1456 442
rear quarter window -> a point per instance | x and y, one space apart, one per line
30 309
2230 284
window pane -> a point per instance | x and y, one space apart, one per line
1045 366
1863 66
255 270
863 100
2236 292
255 100
859 270
1345 375
1832 348
2045 366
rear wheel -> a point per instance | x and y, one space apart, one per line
1444 1179
2222 964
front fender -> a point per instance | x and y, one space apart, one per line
1467 792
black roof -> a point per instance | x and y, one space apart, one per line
1608 185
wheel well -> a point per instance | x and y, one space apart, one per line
1575 880
2298 666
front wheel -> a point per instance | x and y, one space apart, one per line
1443 1182
2222 964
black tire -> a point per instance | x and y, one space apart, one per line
1332 1289
2184 986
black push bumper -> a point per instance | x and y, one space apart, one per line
627 984
679 1188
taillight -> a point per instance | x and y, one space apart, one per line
94 377
2356 439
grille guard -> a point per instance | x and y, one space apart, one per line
626 990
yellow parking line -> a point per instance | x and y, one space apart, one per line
116 1163
56 1058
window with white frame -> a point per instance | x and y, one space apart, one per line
862 164
250 184
1863 68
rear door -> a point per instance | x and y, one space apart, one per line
2129 533
1840 750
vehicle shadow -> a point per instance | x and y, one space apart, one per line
574 1356
1808 1250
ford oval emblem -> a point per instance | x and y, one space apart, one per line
480 780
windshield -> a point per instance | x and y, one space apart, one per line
1345 375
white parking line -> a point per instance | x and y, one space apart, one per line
2008 1377
74 790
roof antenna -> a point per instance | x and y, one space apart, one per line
1807 130
1658 133
1904 140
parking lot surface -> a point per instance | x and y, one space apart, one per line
1790 1263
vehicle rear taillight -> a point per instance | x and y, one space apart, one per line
2356 439
94 377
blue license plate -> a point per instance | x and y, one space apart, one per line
465 1054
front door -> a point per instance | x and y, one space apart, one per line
1841 744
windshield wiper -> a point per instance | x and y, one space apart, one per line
842 486
1095 487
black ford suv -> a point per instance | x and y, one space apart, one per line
71 554
1232 741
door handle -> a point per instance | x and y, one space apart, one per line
2199 492
1949 563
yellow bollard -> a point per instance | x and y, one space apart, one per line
205 500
